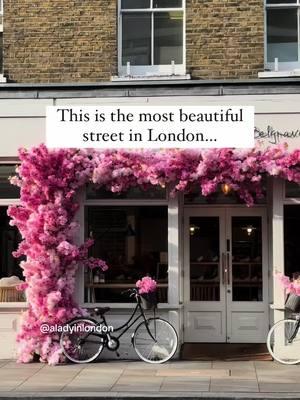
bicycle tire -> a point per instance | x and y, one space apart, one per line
95 350
280 354
164 350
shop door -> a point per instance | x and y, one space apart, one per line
225 275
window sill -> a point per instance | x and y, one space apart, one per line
14 305
2 79
150 78
280 74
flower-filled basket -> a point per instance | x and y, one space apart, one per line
292 287
293 303
147 290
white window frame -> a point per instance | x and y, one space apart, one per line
2 78
151 70
172 203
282 66
1 15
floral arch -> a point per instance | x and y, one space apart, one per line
49 180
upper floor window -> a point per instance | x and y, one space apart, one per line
283 34
151 37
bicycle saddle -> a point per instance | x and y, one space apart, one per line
101 310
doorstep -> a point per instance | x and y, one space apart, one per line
135 379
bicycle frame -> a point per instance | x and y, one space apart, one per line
295 331
125 327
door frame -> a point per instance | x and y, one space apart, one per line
225 306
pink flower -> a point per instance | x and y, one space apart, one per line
96 263
146 285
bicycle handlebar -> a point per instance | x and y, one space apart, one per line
131 292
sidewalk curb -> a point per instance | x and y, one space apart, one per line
148 396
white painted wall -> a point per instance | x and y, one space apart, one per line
22 121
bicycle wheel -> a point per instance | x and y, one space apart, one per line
280 345
80 342
157 347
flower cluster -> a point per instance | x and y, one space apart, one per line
146 285
49 181
289 285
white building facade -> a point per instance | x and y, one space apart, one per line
214 259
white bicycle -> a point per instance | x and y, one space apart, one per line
283 339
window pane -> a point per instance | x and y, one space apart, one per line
282 34
134 243
167 3
135 4
9 241
155 192
281 1
292 190
7 190
204 258
291 240
1 52
246 259
136 39
168 38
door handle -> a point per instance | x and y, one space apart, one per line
223 268
228 268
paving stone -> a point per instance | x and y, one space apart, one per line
40 388
191 364
132 384
15 365
139 372
243 374
248 365
233 385
279 387
172 384
193 372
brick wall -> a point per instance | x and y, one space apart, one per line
225 38
76 41
60 40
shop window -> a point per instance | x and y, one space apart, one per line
156 44
292 190
291 239
133 240
7 190
10 272
9 241
282 18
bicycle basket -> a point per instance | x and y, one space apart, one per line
149 300
293 303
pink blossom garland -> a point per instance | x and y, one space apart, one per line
49 181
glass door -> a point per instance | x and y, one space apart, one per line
225 275
247 277
205 308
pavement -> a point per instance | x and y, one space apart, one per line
123 379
